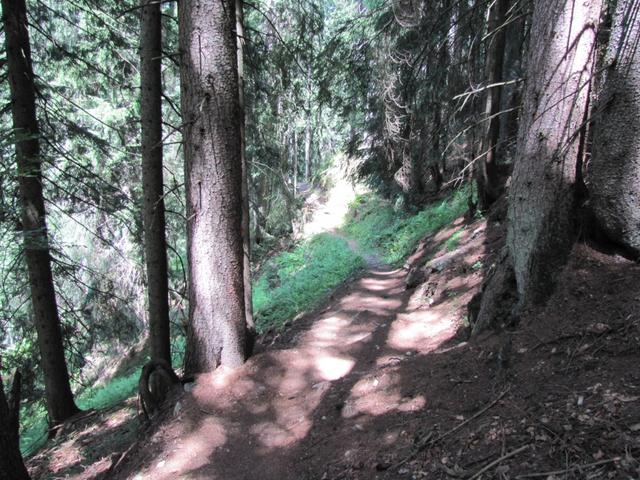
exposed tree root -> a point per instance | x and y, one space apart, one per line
157 382
494 305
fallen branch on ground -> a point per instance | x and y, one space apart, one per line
427 440
490 465
570 469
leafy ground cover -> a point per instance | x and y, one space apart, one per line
376 225
101 396
298 280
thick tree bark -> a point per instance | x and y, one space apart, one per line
155 246
60 403
614 170
486 170
542 197
209 80
11 463
246 232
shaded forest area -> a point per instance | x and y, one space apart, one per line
161 163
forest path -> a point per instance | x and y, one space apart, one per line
330 215
330 210
331 376
332 381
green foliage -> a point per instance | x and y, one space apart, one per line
375 224
33 415
112 393
33 426
295 281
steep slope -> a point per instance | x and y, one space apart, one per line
381 382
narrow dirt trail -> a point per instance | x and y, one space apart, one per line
324 389
312 396
378 385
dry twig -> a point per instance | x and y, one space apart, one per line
428 441
570 469
499 460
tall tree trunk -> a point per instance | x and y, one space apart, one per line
60 403
246 231
542 198
213 171
308 139
512 70
155 246
486 169
295 161
308 132
614 170
11 463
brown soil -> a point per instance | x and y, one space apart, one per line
381 383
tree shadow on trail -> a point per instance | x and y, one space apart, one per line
341 377
377 386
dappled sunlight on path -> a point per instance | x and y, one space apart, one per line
236 422
346 370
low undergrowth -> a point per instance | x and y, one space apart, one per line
298 280
377 226
33 415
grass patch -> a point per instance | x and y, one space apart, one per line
33 415
453 241
113 392
298 280
33 427
375 225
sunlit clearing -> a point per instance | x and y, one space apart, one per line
333 368
333 213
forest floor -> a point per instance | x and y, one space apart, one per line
381 382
